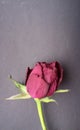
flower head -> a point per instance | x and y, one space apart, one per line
43 79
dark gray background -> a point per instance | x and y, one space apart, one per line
39 30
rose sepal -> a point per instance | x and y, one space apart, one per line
47 100
61 91
19 97
21 87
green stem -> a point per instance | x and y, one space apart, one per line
39 108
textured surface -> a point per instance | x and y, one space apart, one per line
39 30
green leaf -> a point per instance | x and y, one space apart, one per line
19 85
47 100
19 96
62 91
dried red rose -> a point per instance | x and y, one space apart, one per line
43 79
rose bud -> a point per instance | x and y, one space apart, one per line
43 80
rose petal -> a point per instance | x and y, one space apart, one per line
37 70
49 72
52 88
50 75
60 72
28 71
37 87
52 65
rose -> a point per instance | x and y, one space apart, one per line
43 79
